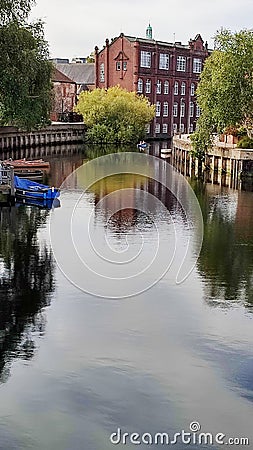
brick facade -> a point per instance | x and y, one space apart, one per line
169 71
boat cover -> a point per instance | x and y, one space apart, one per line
30 185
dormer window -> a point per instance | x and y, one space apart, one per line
118 65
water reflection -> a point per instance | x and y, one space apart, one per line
226 259
26 269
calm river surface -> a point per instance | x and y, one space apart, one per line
74 368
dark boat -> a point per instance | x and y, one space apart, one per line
30 174
30 189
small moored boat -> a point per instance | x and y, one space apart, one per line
165 151
27 164
30 189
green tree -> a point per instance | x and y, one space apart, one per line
25 71
114 115
14 10
225 91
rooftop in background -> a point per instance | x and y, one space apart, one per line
58 76
81 73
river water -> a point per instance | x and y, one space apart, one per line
75 368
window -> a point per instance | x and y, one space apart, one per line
191 128
176 88
157 128
145 59
165 128
164 61
182 109
197 111
166 87
118 65
174 127
181 128
192 89
124 65
102 72
158 109
197 65
158 87
175 109
148 86
191 109
181 63
165 109
148 129
183 88
140 86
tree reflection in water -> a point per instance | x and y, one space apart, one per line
226 259
26 269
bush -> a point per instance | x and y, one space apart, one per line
245 142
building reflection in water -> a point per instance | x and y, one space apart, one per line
27 282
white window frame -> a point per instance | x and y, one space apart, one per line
182 109
181 64
157 128
176 88
124 65
159 87
198 111
118 65
165 128
164 61
140 86
191 109
166 87
165 109
145 59
175 109
174 127
181 129
192 89
197 65
148 86
158 109
148 128
191 128
102 73
183 88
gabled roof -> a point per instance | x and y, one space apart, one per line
58 76
81 73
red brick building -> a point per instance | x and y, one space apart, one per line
164 72
65 92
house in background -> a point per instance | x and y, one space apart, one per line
83 74
166 73
65 94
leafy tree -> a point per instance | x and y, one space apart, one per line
14 10
25 71
114 115
225 91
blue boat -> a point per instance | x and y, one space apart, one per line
42 203
142 145
30 189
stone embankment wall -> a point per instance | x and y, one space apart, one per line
61 133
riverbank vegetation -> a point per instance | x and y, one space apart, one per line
114 115
25 71
225 91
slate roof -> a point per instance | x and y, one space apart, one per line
58 76
81 73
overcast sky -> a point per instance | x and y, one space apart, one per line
73 28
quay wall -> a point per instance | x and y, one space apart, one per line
222 157
12 138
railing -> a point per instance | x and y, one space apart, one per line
7 177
